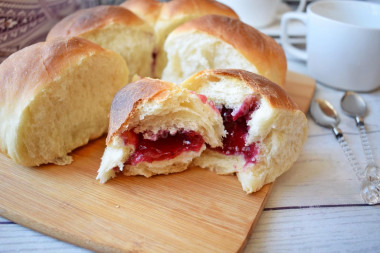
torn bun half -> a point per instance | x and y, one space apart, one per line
220 42
54 97
265 128
157 128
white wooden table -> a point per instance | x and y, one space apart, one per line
314 207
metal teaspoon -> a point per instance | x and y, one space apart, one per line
355 106
325 115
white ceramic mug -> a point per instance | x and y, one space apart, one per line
342 43
258 13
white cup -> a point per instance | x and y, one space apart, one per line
257 13
342 43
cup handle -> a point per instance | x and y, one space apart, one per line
299 53
301 6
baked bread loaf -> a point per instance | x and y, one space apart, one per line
148 10
114 28
139 31
54 97
265 129
214 42
166 16
157 128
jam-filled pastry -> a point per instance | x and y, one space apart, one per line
265 128
157 127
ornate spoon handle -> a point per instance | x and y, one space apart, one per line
351 158
372 170
365 144
370 190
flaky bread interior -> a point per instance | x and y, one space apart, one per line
173 109
279 131
190 53
215 42
61 96
178 12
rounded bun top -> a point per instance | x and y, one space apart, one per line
153 10
32 68
271 92
148 10
86 20
258 48
176 8
125 102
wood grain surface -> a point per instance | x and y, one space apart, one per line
193 211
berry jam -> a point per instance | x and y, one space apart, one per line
235 123
162 146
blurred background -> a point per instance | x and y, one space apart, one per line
24 22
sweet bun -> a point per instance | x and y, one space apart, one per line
148 10
157 128
265 128
54 97
212 42
114 28
167 16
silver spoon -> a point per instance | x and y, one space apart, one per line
354 106
325 115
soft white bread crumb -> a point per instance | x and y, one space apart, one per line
113 158
179 110
55 97
164 17
164 107
217 42
278 127
189 53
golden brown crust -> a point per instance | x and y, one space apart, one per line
273 93
258 48
90 19
128 98
148 10
152 10
176 8
29 70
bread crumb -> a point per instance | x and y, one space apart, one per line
117 206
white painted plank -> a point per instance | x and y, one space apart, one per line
338 229
322 174
15 238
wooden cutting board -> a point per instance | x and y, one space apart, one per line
192 211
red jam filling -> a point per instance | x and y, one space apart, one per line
151 147
235 123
